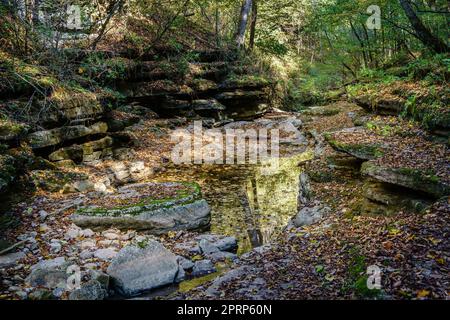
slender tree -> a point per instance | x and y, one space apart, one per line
253 24
243 20
422 33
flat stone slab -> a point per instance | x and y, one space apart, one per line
154 207
140 268
414 179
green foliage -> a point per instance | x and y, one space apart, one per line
357 276
102 69
434 69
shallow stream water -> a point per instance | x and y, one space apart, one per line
251 202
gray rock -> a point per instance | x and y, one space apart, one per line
43 215
414 179
310 215
186 264
87 233
221 256
56 263
181 275
10 259
73 233
49 274
189 247
304 196
213 289
222 243
105 254
55 247
83 186
86 254
203 267
137 269
187 213
91 290
101 277
207 246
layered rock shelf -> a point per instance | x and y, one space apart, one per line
135 208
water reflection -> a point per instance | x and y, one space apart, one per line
247 201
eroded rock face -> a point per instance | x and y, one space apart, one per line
137 269
409 178
47 138
185 211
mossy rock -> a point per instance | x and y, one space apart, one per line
410 178
139 207
393 198
358 150
252 82
10 130
7 171
47 138
54 180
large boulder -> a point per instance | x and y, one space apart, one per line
410 178
143 267
49 274
154 207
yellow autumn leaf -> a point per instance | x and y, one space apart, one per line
423 293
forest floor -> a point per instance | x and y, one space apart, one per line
329 260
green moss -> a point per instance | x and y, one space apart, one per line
185 196
359 150
189 285
357 276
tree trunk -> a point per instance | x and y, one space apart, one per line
242 27
113 8
424 35
253 24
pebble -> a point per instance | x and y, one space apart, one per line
105 254
43 215
87 233
86 254
87 244
55 247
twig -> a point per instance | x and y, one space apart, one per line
12 247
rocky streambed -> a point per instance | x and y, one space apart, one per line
184 239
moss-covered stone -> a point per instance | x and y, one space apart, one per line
358 150
411 178
133 209
47 138
10 130
245 81
54 180
7 172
